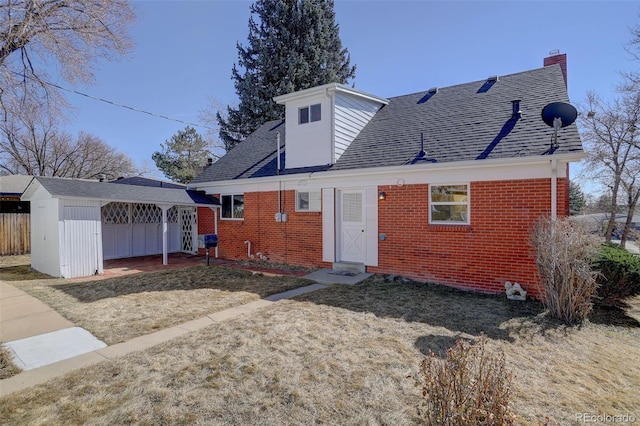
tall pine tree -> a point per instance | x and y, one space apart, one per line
292 45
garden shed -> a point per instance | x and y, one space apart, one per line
77 224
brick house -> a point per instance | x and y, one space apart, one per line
441 186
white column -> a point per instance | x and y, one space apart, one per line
215 228
165 244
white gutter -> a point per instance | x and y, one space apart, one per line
405 169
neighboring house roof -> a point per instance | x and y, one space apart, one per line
472 121
143 181
14 184
76 188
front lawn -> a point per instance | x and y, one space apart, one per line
118 309
342 355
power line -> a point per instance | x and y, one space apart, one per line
118 104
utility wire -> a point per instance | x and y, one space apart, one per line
117 104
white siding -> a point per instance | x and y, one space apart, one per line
308 144
351 115
45 256
80 238
328 225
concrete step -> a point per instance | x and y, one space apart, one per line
353 267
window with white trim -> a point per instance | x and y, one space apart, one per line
309 114
308 201
449 204
232 206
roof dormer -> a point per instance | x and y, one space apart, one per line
321 122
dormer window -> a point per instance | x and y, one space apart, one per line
309 114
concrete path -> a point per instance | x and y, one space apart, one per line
59 367
38 345
23 316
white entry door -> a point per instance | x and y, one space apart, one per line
352 226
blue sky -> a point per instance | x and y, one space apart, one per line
185 51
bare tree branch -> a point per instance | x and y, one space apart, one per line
68 35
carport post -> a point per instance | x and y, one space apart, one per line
165 255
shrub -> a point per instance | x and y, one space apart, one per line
7 367
564 251
470 387
619 273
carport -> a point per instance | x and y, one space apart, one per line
77 224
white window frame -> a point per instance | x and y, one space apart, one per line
232 206
314 203
466 203
310 117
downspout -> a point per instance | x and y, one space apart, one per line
554 189
279 181
333 127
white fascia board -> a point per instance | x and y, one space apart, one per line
29 190
472 171
359 93
130 200
329 88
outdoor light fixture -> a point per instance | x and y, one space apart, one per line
382 195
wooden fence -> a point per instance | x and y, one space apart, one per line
15 233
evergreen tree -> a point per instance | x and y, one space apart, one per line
576 199
183 157
292 45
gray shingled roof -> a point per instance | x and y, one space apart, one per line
471 121
143 181
254 157
14 184
75 188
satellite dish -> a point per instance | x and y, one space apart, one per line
567 113
558 115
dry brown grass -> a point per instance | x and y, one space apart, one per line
341 356
7 367
118 309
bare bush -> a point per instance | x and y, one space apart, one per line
564 251
470 387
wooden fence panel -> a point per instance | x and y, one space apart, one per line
15 233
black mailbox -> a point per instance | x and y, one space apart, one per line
210 241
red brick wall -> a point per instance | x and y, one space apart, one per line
297 241
493 249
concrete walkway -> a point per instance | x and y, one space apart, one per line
36 332
23 316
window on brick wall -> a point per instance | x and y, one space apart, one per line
232 206
449 204
308 201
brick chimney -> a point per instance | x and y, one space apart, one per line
555 57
